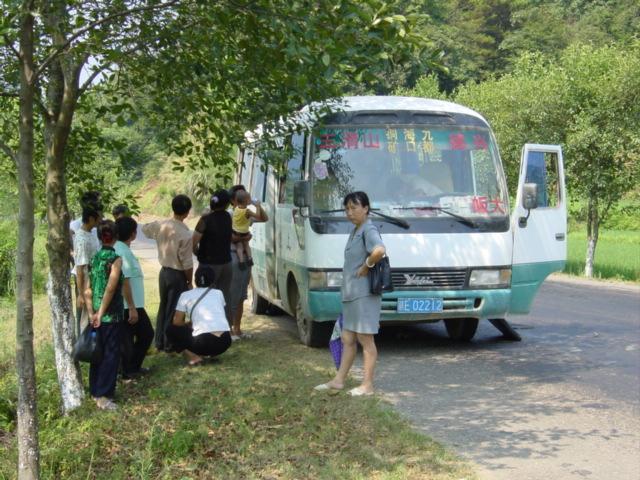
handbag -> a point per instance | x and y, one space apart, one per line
379 275
88 347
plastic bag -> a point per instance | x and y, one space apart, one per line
88 348
335 343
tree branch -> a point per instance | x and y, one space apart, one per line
9 95
8 41
87 83
60 48
8 151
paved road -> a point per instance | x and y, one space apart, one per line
562 404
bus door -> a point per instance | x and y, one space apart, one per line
539 233
288 219
270 199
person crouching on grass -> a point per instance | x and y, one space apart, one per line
207 334
104 301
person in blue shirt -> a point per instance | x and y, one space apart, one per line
136 337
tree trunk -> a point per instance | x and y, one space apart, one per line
62 100
593 229
28 448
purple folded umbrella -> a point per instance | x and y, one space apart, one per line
335 344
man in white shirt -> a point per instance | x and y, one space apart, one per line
85 246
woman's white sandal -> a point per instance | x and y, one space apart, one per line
324 387
359 392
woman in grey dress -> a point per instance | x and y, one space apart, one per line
360 309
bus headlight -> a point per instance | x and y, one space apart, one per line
319 280
490 278
334 279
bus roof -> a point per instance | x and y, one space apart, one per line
413 104
308 115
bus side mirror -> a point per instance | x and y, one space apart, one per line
529 201
301 194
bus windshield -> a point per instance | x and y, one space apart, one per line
408 170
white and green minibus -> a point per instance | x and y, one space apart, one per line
438 193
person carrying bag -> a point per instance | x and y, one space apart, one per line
208 335
360 305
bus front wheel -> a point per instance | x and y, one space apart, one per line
312 334
461 329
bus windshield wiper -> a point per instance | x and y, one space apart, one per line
460 218
396 221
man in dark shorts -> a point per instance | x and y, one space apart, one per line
240 278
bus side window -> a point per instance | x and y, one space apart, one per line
245 173
258 178
542 169
295 169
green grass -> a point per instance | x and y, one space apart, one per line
250 414
617 254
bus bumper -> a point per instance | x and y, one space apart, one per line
494 303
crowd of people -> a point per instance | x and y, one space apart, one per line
204 320
200 321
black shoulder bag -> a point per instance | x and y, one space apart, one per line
379 275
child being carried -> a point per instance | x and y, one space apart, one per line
241 220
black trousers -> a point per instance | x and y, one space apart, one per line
136 340
205 344
172 283
103 375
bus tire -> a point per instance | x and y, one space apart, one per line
312 334
259 305
461 329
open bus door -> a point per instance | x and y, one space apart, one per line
539 223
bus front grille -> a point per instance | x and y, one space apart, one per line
429 279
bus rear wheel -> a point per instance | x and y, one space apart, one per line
461 329
312 334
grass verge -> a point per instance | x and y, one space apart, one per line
250 414
617 255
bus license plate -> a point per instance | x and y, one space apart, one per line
419 305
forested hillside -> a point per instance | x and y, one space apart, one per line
472 41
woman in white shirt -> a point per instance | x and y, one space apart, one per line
207 332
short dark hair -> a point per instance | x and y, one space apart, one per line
181 204
219 200
359 198
107 231
121 209
126 228
91 200
89 212
205 277
234 189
